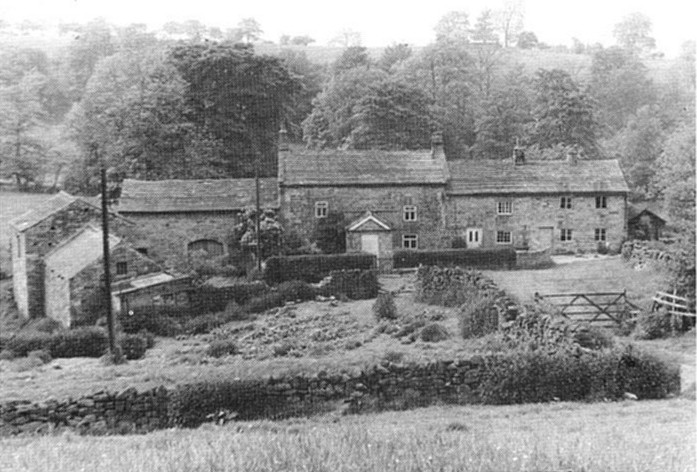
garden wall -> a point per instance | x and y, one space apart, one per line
385 386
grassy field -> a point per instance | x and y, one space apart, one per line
603 437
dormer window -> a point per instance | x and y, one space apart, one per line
321 209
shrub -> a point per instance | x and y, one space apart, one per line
655 325
210 299
151 319
43 325
264 302
495 258
133 346
42 355
222 347
149 338
313 268
283 349
25 342
80 342
295 290
592 337
7 355
355 284
384 307
204 323
434 333
478 316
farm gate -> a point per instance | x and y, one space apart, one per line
598 308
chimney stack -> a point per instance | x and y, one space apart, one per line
518 155
572 156
437 150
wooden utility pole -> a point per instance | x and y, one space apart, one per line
107 271
258 212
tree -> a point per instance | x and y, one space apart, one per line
633 33
303 40
563 113
392 115
509 20
484 31
393 55
346 38
239 98
330 233
527 40
453 26
21 120
94 42
620 85
351 58
250 30
270 232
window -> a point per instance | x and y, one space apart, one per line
503 207
503 237
600 234
410 241
566 234
121 268
210 246
565 202
601 201
409 213
321 209
142 250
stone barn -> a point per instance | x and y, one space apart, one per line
645 221
176 218
74 281
38 232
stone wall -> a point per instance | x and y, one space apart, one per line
536 221
166 236
385 202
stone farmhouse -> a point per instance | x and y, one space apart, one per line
389 200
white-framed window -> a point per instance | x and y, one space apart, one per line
566 234
503 237
321 209
410 241
565 203
409 212
600 234
601 201
504 207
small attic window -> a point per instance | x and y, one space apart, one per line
121 268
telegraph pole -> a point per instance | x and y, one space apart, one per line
107 271
258 212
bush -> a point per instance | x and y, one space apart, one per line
655 325
80 342
160 322
478 316
313 268
42 355
384 307
264 302
355 284
222 347
25 342
592 337
294 290
209 299
283 349
43 325
434 333
133 346
495 258
7 355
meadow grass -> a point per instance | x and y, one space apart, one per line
627 436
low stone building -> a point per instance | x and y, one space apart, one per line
152 290
564 206
74 275
645 221
38 232
175 218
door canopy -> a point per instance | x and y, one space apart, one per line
368 223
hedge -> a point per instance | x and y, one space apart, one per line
313 268
208 299
480 258
355 284
81 342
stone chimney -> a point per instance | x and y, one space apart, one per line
518 155
572 156
437 149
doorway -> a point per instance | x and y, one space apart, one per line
370 243
473 237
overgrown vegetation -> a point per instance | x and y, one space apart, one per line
384 307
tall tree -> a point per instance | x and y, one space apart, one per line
393 55
633 33
93 42
484 31
563 113
351 58
250 30
21 120
453 26
239 98
509 20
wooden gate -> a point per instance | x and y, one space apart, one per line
677 306
599 308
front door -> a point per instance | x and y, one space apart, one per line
474 237
370 244
546 237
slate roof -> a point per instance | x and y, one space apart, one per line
175 196
496 177
308 167
39 213
654 208
79 251
146 281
